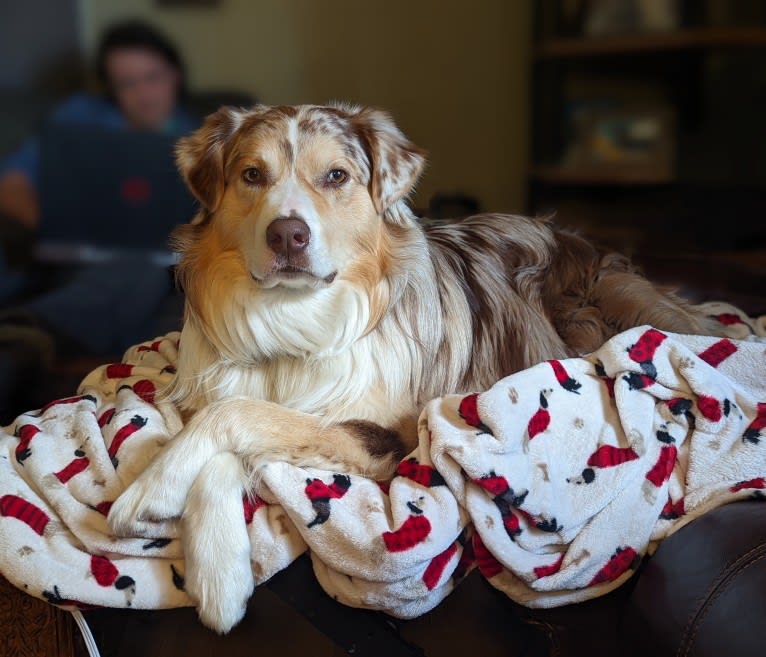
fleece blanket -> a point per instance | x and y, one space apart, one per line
554 482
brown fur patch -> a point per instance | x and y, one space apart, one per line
377 440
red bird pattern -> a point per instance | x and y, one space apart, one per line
106 417
425 475
104 507
250 506
673 510
682 406
565 381
25 433
709 408
498 487
154 346
63 402
123 433
488 565
718 352
146 390
13 506
505 500
606 456
414 530
73 468
320 494
608 380
663 468
550 569
541 419
107 574
119 371
638 381
435 568
624 558
753 432
759 483
728 319
643 351
469 411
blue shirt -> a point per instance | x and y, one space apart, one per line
86 109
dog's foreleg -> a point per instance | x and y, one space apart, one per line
159 493
218 574
275 433
258 432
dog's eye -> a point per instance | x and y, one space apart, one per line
252 176
336 177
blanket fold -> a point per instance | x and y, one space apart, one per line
555 482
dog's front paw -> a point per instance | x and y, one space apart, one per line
159 493
219 577
150 507
220 583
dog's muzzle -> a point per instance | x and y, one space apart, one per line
288 237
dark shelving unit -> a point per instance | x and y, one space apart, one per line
712 79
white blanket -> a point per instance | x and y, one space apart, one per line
555 482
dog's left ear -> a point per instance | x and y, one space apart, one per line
200 156
396 163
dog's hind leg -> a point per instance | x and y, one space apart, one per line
218 574
626 300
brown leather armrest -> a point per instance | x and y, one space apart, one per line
703 593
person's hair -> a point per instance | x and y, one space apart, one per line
136 34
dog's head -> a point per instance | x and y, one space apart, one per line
294 201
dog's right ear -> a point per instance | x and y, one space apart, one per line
200 156
395 161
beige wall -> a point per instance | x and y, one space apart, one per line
453 73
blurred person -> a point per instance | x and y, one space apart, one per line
143 82
95 308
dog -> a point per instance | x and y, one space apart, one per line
321 316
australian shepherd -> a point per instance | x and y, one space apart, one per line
321 316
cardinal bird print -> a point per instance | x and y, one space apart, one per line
565 381
414 530
107 574
644 350
320 494
25 433
505 499
469 411
753 433
624 558
424 475
606 456
541 419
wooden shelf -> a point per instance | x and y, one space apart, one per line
684 39
567 176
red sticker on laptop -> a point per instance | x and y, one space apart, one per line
136 190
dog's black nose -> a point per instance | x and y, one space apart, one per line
288 235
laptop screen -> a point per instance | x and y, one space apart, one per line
109 190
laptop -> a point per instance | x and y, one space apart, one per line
108 193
